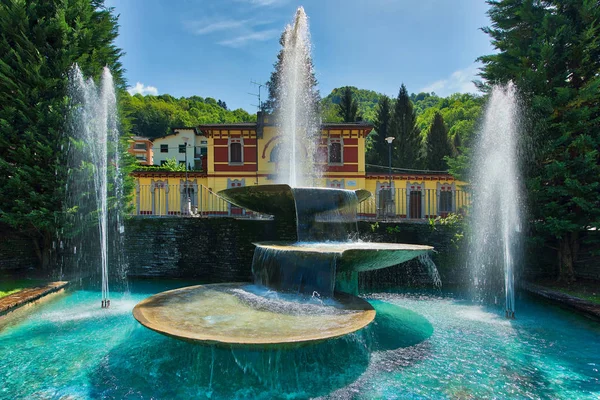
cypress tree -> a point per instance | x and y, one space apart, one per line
40 42
378 153
403 127
348 107
271 105
437 144
551 50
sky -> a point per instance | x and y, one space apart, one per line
215 48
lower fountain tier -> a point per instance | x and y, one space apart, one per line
241 314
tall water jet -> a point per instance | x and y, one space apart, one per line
297 116
496 218
95 181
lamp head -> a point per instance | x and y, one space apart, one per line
389 139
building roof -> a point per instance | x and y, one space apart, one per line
173 133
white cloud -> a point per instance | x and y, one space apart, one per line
244 39
460 81
143 90
264 3
204 27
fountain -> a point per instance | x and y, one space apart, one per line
94 151
497 198
304 291
297 117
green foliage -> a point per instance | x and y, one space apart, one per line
456 223
171 165
366 101
377 152
403 126
39 43
155 116
551 50
348 107
272 104
437 145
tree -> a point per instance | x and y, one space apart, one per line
378 153
155 116
437 144
551 50
40 42
403 127
273 102
348 107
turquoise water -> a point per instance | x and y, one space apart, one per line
419 347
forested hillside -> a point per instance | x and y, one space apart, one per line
154 116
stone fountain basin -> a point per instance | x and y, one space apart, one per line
352 256
278 199
244 315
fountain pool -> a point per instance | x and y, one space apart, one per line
419 346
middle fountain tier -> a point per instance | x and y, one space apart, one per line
328 255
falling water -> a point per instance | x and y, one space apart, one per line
497 198
93 126
297 118
324 214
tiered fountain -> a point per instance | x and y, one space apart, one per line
303 291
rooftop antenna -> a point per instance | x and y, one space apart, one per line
260 104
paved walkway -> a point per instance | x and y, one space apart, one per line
12 302
588 308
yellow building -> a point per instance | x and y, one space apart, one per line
244 154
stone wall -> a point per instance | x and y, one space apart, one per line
211 250
17 254
221 250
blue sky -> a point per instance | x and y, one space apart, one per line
214 48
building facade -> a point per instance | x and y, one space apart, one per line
185 145
245 154
141 148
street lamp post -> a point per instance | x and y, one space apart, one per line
390 139
188 203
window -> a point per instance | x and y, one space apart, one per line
336 151
140 146
163 162
182 148
141 157
236 155
274 157
445 202
164 148
181 162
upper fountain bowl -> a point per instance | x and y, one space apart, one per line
278 200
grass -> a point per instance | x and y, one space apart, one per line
10 286
584 289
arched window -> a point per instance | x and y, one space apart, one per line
236 154
275 153
335 151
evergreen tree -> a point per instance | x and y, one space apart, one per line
39 43
437 144
378 153
551 50
403 126
348 107
272 104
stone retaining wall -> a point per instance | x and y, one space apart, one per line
17 255
212 250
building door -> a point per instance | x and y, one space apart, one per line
415 210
